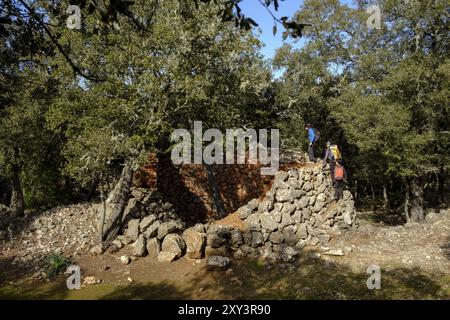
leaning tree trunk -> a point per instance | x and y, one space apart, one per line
215 191
111 210
17 204
416 212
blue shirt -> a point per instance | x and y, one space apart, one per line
311 135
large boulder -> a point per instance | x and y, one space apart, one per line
168 227
146 222
139 249
152 230
195 243
153 247
218 263
165 256
173 243
132 231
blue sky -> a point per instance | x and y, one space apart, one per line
253 9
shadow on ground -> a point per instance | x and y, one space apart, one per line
253 279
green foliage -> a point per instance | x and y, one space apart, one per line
55 264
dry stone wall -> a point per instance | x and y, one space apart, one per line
298 210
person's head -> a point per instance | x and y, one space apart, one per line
328 143
340 162
307 126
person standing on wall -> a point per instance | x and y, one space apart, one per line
333 155
313 136
340 177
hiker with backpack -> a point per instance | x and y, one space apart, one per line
333 154
313 136
340 176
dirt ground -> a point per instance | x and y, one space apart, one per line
414 261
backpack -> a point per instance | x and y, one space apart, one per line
335 153
339 173
316 135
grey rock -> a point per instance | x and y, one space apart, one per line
306 214
276 237
236 238
336 252
253 222
347 215
297 216
312 201
268 222
125 259
286 219
124 239
321 198
139 249
288 208
173 243
257 239
303 203
138 193
97 250
290 238
215 240
152 230
266 233
132 231
283 195
265 205
153 247
324 238
117 243
217 263
281 175
314 241
307 186
146 222
167 227
253 204
288 254
302 232
247 238
165 256
132 208
244 212
199 227
195 243
293 174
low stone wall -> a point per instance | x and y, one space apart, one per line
299 210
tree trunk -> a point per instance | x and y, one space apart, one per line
93 188
111 210
441 185
17 203
416 212
406 209
372 189
385 197
215 191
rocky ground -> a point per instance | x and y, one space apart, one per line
414 260
26 242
